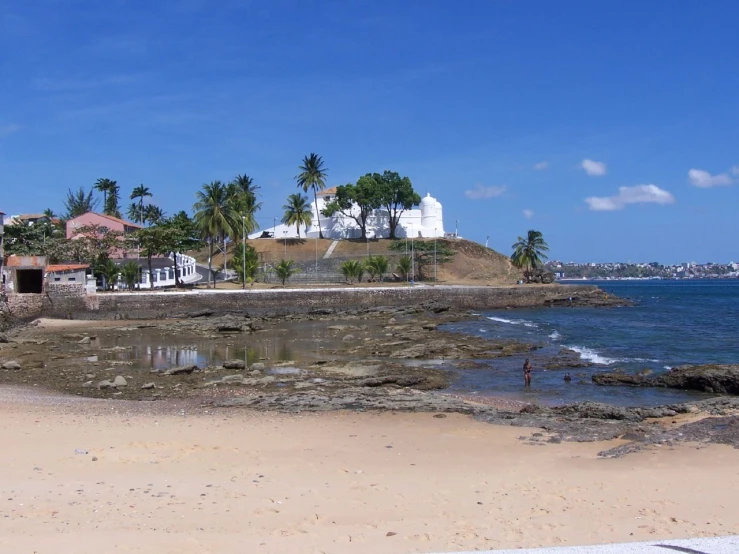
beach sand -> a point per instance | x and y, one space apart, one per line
162 477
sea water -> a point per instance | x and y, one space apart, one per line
672 323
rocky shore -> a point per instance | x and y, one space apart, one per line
379 358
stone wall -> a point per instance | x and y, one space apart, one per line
25 307
144 305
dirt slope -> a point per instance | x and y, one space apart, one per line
471 264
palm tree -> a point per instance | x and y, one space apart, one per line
242 193
529 252
130 272
351 269
405 266
214 217
152 214
105 186
109 270
285 269
139 192
377 265
313 175
297 212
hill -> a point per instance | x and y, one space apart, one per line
472 263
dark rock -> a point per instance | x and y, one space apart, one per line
184 370
234 364
710 378
3 337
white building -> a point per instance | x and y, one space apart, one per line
427 221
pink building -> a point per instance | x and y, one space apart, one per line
109 222
104 223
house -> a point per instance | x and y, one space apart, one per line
24 274
72 276
30 219
426 221
107 222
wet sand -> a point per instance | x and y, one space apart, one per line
173 477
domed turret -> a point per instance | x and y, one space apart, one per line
428 212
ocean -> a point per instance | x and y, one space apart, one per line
672 323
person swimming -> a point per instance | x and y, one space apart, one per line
567 378
527 369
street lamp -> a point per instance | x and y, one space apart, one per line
284 234
243 251
456 230
486 241
274 227
413 261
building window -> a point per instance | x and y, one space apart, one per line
57 278
71 278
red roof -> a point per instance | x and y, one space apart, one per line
54 268
26 261
118 219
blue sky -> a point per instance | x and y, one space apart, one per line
582 119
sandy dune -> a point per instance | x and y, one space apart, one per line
193 481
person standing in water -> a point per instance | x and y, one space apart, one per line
527 369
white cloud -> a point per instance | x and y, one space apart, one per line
528 214
480 192
593 168
639 194
541 166
7 130
703 179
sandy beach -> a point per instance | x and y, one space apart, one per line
167 477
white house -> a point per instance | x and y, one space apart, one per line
427 221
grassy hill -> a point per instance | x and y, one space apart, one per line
471 264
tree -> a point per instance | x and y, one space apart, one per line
153 214
313 175
377 266
356 201
242 194
245 259
111 205
404 267
351 269
131 274
78 203
105 186
297 212
284 270
529 252
137 214
183 237
396 196
215 217
108 269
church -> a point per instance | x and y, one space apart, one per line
426 221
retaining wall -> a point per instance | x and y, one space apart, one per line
143 305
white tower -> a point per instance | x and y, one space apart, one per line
428 214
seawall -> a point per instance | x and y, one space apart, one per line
162 305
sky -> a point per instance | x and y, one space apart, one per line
611 126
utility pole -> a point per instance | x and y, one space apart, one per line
434 255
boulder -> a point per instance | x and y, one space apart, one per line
715 378
258 366
106 384
183 370
148 386
711 378
12 365
84 340
87 385
348 338
234 364
120 381
3 337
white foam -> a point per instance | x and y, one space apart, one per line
514 321
555 335
592 356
